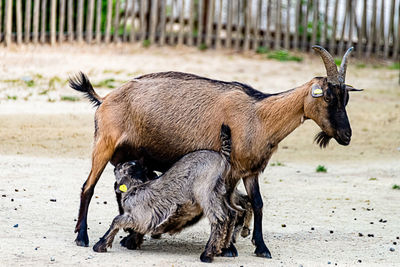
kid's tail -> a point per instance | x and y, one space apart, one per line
226 142
82 84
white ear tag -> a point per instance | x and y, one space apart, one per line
316 91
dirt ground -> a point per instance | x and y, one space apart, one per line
347 216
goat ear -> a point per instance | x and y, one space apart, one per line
316 90
351 88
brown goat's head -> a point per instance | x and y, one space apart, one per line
327 100
129 174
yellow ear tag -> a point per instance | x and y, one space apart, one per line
317 92
123 188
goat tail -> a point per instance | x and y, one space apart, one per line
226 142
82 84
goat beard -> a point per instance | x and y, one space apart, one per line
322 139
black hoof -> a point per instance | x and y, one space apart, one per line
230 252
263 252
129 243
100 246
82 239
205 258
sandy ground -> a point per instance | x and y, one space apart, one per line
45 145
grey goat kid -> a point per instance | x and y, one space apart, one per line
192 186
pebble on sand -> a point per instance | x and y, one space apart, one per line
52 259
15 225
53 200
391 249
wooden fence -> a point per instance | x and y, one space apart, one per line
371 26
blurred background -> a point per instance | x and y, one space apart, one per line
372 26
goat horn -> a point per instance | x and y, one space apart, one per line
343 66
330 66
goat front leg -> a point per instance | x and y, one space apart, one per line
253 191
106 241
229 250
102 153
215 242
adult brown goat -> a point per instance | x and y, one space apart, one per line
163 116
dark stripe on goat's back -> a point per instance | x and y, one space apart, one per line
247 89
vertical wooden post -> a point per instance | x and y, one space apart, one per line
153 25
351 24
396 41
238 35
219 27
210 23
28 10
278 31
53 22
381 34
341 42
79 22
70 21
391 27
170 32
191 21
116 21
35 36
257 27
297 25
247 25
162 23
324 32
361 33
332 43
1 9
142 21
43 22
8 22
98 21
126 12
267 38
228 42
305 26
287 33
199 40
89 21
181 23
108 21
315 21
372 32
18 12
61 21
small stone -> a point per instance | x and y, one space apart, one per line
44 237
391 249
397 237
331 231
75 220
359 261
283 225
329 262
99 222
370 235
37 248
312 228
394 243
360 234
333 211
384 221
15 225
52 259
89 257
355 219
353 208
15 209
53 200
381 220
12 200
3 195
371 223
16 190
105 202
300 265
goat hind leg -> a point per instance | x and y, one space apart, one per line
106 241
229 250
102 153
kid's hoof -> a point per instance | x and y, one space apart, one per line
245 232
263 252
205 258
82 239
132 241
231 251
100 246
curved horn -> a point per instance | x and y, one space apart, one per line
343 66
330 66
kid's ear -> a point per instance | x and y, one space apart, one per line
316 90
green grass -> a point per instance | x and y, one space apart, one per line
361 66
107 83
321 168
146 43
338 61
372 179
396 186
203 47
283 55
277 164
262 50
12 97
395 66
69 98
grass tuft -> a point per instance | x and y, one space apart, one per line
396 186
321 168
146 43
262 50
69 98
283 55
203 47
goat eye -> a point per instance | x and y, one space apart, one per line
327 98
